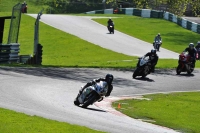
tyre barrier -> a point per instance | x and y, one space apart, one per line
9 53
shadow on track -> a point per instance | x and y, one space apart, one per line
145 79
99 110
186 75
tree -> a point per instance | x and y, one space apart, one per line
195 6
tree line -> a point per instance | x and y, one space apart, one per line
177 7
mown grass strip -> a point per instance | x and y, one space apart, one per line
179 111
14 122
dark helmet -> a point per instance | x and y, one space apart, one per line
153 51
191 45
109 78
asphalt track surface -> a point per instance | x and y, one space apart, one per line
49 92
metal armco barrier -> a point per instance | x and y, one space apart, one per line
9 53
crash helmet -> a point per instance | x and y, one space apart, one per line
109 78
153 51
198 43
191 46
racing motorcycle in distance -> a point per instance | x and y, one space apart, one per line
92 94
143 67
111 29
184 63
157 45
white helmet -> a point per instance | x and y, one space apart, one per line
191 45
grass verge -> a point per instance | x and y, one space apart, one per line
13 122
179 111
61 49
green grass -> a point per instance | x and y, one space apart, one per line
61 49
179 111
13 122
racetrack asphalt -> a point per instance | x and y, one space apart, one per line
49 92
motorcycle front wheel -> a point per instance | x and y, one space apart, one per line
178 69
76 102
188 67
136 73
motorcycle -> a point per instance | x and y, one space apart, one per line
111 29
184 63
92 94
157 44
143 67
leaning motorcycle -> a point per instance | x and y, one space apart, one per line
157 45
143 67
184 63
92 94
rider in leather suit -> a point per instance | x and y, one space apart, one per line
108 78
192 52
154 59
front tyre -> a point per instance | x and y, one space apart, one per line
178 69
188 69
76 102
136 73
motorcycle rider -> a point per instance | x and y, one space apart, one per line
110 22
108 78
157 38
198 45
192 52
153 57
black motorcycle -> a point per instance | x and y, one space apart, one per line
143 67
